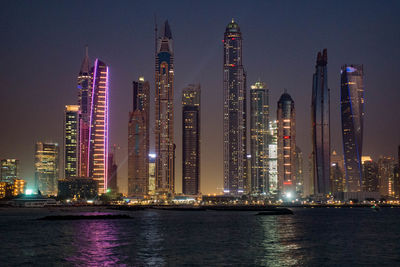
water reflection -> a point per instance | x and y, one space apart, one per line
150 250
96 243
281 242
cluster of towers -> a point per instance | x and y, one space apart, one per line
86 124
274 165
158 177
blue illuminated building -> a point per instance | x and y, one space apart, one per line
352 110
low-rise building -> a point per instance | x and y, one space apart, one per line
77 188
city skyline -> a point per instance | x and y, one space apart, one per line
276 87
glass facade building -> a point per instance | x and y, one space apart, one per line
9 170
191 140
71 140
370 175
337 179
234 120
352 113
259 126
320 119
84 102
164 108
139 140
46 167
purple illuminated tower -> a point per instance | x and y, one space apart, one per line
98 131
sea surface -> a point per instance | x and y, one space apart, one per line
310 237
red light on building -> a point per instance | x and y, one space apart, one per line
233 38
223 41
286 137
287 183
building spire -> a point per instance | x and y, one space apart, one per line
85 62
167 30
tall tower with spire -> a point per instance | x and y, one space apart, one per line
84 102
164 108
320 116
234 121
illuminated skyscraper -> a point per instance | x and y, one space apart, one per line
9 170
138 140
152 174
71 140
46 167
234 122
98 131
338 180
164 107
386 166
320 116
286 117
84 101
259 126
273 157
370 175
191 140
352 110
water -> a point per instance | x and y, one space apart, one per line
311 237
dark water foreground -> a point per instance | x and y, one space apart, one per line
310 237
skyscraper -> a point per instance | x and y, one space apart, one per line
112 173
352 110
46 167
71 141
370 175
273 157
259 126
338 180
139 140
286 117
234 122
84 102
98 131
164 107
9 170
386 166
320 117
152 174
191 140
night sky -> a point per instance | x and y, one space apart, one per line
42 47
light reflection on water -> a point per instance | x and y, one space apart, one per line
174 238
96 241
279 241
